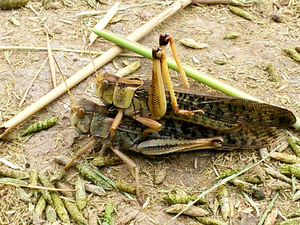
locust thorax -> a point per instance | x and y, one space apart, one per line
124 91
117 91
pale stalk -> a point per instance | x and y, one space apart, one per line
104 21
89 69
190 72
63 50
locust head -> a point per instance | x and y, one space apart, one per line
89 118
82 112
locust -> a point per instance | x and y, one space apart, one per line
90 118
148 103
219 111
159 121
121 94
175 135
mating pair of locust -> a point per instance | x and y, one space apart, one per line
175 135
157 122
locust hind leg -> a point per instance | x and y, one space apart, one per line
134 170
150 123
164 39
166 146
160 69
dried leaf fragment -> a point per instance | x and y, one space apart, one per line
294 144
93 177
249 188
80 194
97 190
74 212
107 218
231 35
51 214
160 176
293 54
14 21
127 217
191 211
40 207
290 170
210 221
224 202
41 125
287 158
191 43
91 3
129 188
272 72
106 161
128 69
220 61
239 12
103 2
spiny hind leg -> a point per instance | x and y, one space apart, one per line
134 170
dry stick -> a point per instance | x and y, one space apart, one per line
64 50
90 13
89 69
104 21
50 56
37 73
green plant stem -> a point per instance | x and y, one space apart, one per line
192 73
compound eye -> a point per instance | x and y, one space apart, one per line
104 85
80 112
